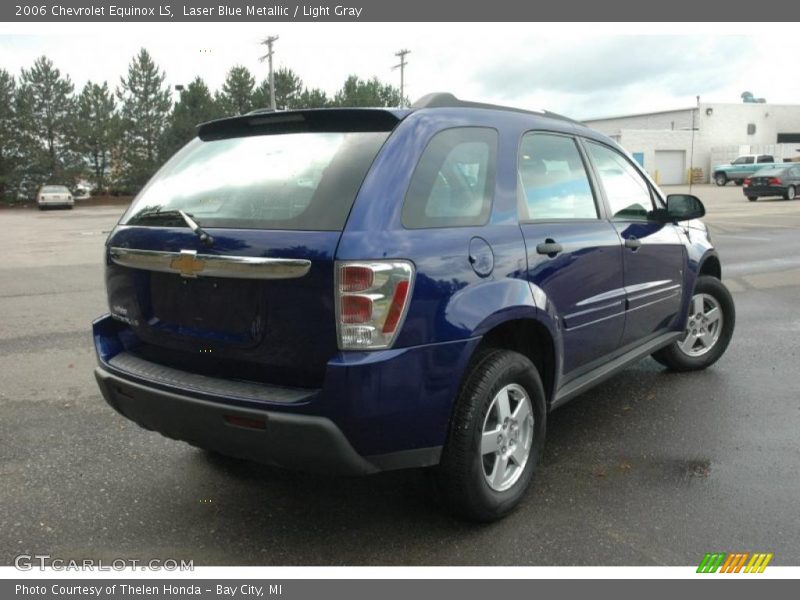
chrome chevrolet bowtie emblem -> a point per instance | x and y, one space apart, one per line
187 264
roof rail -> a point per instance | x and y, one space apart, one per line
448 100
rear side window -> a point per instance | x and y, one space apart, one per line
627 192
553 182
453 182
298 181
765 158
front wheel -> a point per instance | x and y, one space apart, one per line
790 194
720 179
496 437
752 198
709 328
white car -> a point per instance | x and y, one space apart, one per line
54 195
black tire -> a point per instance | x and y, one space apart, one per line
791 193
720 179
460 478
752 198
738 181
676 359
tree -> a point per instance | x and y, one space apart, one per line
236 96
371 92
97 132
45 114
288 87
313 98
9 146
145 109
195 106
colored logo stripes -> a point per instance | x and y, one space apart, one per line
734 562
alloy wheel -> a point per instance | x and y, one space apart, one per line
704 326
507 437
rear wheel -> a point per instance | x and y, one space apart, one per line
496 437
752 198
709 328
790 194
720 179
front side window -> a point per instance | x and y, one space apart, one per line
453 183
297 181
553 180
627 192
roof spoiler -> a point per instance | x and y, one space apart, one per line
300 121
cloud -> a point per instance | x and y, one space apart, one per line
671 66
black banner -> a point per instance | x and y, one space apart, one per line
419 589
372 11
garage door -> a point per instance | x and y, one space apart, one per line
671 166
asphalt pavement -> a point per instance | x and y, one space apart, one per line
650 468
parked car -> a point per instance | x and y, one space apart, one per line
359 290
742 167
781 181
82 193
54 195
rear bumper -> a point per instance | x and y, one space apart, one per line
760 191
55 203
369 416
303 442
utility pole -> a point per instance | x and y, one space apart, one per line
402 67
691 154
268 43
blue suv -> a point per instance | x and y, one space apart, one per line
359 290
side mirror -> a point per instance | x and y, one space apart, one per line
684 207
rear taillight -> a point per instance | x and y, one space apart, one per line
746 182
371 302
775 181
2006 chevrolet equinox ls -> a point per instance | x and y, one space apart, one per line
358 290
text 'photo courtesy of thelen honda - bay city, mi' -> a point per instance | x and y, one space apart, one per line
358 290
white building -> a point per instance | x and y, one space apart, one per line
664 144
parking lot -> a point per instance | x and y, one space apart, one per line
651 468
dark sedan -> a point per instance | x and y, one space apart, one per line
780 181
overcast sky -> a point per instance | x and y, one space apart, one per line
581 71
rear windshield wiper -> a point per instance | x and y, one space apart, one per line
188 218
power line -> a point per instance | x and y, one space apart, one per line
402 67
268 43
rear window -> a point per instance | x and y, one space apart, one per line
55 189
300 181
771 172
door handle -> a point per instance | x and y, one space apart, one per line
633 243
549 247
